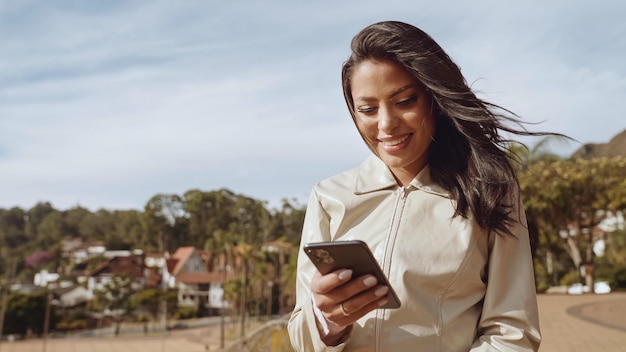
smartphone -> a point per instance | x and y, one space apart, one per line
354 255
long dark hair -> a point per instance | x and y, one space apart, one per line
468 154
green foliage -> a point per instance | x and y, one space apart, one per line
115 295
150 300
115 299
12 230
75 318
616 247
619 277
27 312
217 221
527 156
541 276
214 220
611 272
570 278
570 197
186 313
164 223
72 325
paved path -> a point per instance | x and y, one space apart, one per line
193 340
585 323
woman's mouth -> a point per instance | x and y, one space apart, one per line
395 143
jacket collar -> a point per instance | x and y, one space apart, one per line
374 175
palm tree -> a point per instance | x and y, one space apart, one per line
526 156
220 245
246 254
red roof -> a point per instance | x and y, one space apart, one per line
182 255
131 266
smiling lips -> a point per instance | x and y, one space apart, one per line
391 144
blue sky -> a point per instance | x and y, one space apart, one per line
104 104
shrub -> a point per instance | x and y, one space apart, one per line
620 277
186 313
541 277
572 277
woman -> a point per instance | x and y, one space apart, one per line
437 203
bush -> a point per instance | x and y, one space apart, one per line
542 278
620 277
572 277
186 313
614 275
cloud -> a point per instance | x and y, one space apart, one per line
108 103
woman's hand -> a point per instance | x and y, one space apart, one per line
343 300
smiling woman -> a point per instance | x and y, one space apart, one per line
438 204
394 116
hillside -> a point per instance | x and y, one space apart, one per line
615 147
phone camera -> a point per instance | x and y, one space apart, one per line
323 255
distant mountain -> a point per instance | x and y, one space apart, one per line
615 147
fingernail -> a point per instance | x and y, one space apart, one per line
370 281
344 275
382 302
381 291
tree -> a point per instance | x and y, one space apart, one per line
286 222
162 217
127 230
35 217
249 220
208 213
220 247
114 299
569 198
149 300
27 312
51 230
527 157
245 253
12 229
74 217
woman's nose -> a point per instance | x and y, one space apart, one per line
387 119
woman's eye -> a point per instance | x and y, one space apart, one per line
366 109
408 101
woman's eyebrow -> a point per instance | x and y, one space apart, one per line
396 92
402 89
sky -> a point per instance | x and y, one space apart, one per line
106 103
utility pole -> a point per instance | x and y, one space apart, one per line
46 322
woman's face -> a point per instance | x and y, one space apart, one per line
393 113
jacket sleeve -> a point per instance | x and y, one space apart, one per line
509 320
302 327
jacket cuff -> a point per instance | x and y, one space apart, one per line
315 332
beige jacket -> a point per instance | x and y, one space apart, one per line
460 289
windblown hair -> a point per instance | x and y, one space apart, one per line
468 154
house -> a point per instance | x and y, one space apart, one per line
69 294
43 278
72 296
159 266
196 286
86 251
131 266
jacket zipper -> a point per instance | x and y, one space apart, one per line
389 244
